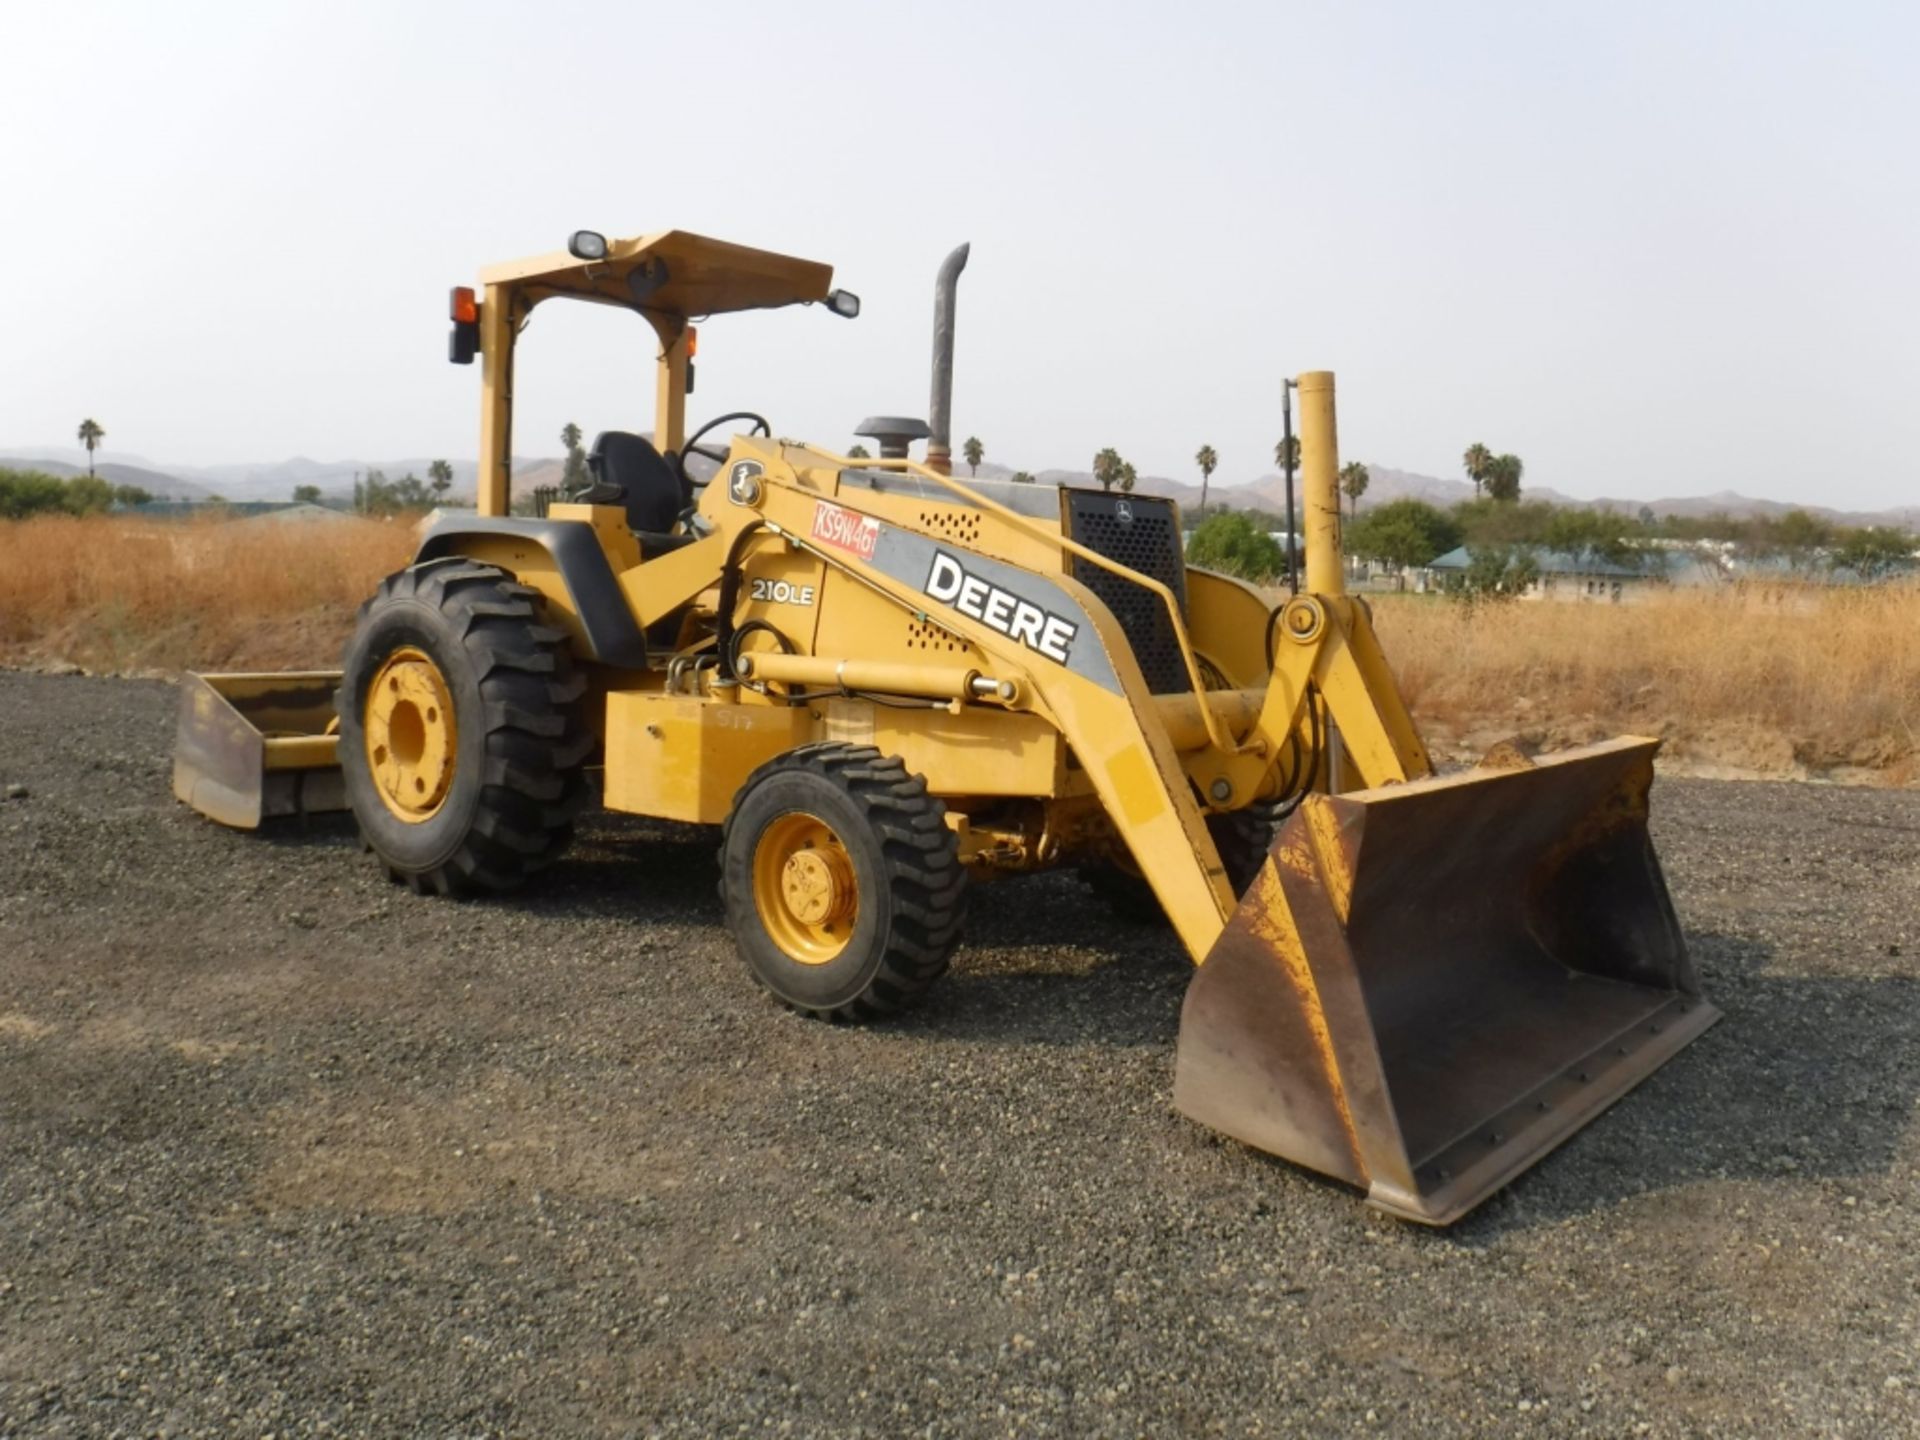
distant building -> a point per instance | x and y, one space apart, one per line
1564 575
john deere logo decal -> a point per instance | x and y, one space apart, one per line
1041 631
743 481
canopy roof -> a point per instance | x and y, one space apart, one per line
671 271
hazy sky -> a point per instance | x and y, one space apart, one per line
1652 248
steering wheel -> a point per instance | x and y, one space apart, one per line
719 457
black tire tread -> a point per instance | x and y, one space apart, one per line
1243 838
537 739
926 881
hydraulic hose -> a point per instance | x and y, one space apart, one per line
730 597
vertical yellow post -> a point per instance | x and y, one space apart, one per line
1320 484
670 386
491 488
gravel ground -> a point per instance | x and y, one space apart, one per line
285 1150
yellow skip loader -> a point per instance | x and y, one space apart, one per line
889 686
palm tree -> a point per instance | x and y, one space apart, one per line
1290 446
1208 463
91 435
1476 460
1127 476
1503 477
975 453
1106 467
441 474
1354 480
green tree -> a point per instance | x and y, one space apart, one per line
1404 534
1128 476
1477 460
440 477
1799 534
87 495
131 495
1495 572
573 474
1873 552
1503 478
975 453
858 452
1589 535
1490 521
381 496
1354 479
1233 544
1287 446
1022 477
306 494
29 492
1106 467
90 435
1208 463
1797 537
1647 518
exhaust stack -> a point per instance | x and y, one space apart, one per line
940 443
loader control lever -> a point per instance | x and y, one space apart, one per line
719 457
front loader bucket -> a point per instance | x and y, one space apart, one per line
251 746
1431 985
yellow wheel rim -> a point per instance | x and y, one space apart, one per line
804 888
410 735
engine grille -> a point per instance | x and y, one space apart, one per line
1142 533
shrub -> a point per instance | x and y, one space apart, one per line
1234 545
1405 534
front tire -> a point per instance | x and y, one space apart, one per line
842 881
1243 838
461 734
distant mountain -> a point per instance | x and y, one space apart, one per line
1731 502
275 481
1269 494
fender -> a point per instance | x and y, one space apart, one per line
613 637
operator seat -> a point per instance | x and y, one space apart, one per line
628 471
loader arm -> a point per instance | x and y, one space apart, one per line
1432 981
1057 647
1090 685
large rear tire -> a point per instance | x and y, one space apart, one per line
842 881
461 734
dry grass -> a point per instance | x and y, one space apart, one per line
1776 682
127 595
1782 684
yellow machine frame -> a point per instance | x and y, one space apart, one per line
1430 981
1324 639
698 276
